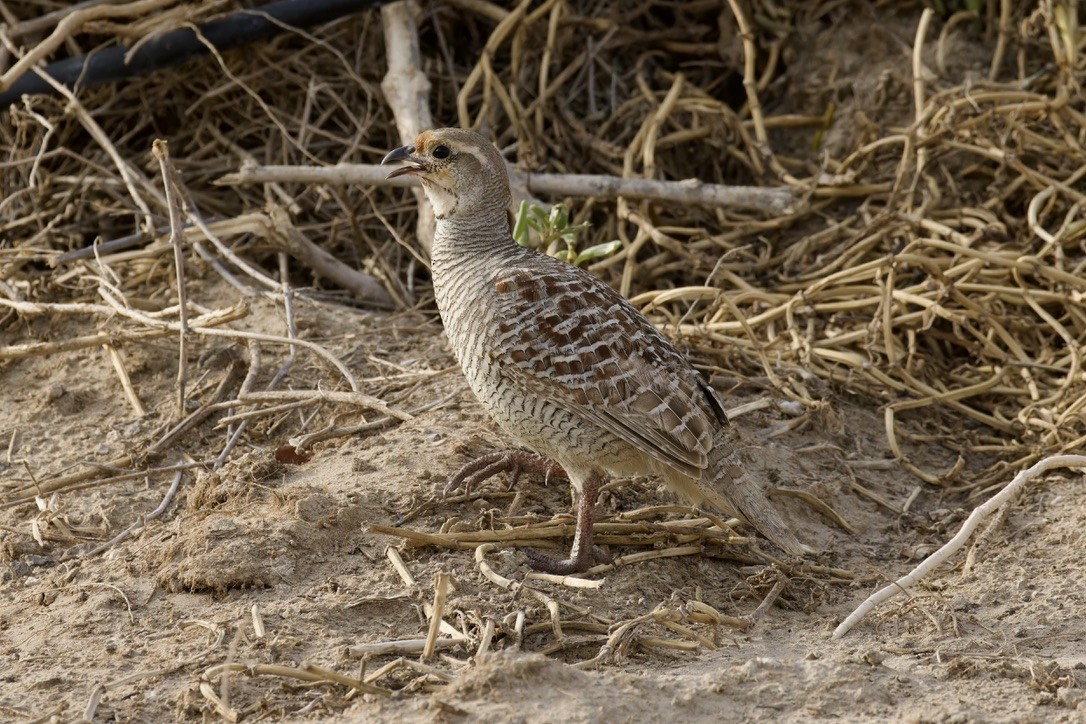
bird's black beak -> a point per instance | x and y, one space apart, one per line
403 153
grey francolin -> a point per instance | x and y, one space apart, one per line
563 363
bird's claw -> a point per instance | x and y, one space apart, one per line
578 562
512 461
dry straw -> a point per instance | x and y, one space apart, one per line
947 275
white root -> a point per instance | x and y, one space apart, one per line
978 516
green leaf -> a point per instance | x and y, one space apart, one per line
539 214
597 252
563 254
572 232
520 228
559 217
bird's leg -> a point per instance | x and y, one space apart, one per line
512 461
583 555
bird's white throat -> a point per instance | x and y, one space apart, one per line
443 200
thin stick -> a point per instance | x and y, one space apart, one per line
49 20
357 399
750 81
441 590
177 235
486 638
1001 40
258 622
489 573
310 673
126 382
220 707
92 703
401 569
768 601
44 349
645 556
72 482
265 411
142 522
688 191
403 646
570 581
975 518
488 10
409 664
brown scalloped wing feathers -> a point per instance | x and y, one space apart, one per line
571 339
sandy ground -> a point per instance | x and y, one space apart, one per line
154 618
220 606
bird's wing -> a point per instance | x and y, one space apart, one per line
571 339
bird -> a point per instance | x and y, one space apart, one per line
564 364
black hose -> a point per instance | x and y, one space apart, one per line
239 28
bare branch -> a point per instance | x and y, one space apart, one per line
364 287
689 191
407 91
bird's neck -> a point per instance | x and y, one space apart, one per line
466 254
480 237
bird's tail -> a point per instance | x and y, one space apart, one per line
730 475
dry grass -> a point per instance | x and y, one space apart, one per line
936 264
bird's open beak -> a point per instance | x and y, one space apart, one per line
403 153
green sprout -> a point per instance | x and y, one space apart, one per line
556 235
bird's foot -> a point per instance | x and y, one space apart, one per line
514 462
579 561
584 554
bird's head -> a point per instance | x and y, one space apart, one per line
461 172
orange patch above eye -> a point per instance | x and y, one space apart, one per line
421 140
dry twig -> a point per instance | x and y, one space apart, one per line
978 516
407 91
689 191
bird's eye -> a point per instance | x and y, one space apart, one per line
440 152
